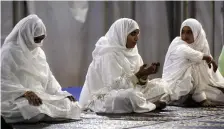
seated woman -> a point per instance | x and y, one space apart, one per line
30 92
116 81
190 71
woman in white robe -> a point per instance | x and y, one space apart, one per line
189 69
29 91
115 83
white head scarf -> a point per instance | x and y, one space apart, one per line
116 38
200 42
24 32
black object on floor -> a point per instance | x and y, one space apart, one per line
5 125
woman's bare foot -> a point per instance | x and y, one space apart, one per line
207 103
160 105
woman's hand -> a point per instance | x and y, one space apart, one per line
145 71
210 62
32 98
71 98
215 66
156 65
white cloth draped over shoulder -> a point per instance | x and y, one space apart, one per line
186 72
24 68
110 84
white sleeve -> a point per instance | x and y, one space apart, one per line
189 53
11 88
113 74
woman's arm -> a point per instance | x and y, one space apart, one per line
196 56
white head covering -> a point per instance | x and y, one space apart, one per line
200 42
116 38
25 31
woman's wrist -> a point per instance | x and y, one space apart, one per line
208 59
143 80
138 75
25 94
210 62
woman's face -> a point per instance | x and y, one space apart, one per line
39 38
187 35
132 39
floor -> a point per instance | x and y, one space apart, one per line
170 118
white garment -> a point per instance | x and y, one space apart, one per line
110 84
24 68
186 72
221 62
